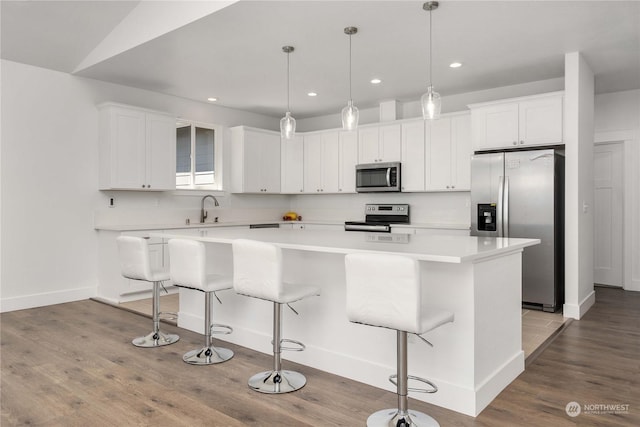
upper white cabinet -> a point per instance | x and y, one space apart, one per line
137 149
448 154
379 143
255 157
321 162
519 122
413 156
348 161
292 170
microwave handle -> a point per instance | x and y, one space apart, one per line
388 177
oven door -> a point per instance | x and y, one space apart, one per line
374 177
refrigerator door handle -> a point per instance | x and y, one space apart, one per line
499 217
505 207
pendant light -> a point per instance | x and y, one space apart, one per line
430 101
350 113
287 123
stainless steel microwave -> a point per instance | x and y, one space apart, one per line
374 177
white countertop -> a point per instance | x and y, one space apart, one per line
450 249
174 226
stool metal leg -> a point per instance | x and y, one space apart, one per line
156 338
208 355
277 381
401 417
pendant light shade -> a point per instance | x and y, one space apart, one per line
430 101
350 114
287 123
287 126
431 104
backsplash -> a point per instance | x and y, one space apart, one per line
146 208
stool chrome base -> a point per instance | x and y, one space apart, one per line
393 418
155 339
207 356
277 382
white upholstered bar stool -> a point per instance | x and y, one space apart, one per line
257 273
188 269
135 264
385 290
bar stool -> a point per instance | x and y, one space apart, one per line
136 265
188 269
385 291
257 273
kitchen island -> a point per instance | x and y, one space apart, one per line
476 278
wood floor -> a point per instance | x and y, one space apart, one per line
73 365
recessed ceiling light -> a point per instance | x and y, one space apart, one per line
455 65
212 99
312 94
376 81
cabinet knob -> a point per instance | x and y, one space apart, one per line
447 187
453 186
144 186
301 190
339 189
515 142
521 142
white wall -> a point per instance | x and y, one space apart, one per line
49 180
579 196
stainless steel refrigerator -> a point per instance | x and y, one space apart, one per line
521 194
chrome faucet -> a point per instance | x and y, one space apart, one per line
203 213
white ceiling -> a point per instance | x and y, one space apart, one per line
235 53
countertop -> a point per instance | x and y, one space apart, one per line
174 226
437 248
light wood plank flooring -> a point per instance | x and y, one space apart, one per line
73 365
537 326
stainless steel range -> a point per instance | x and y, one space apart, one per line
379 218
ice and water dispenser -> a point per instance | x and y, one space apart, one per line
486 217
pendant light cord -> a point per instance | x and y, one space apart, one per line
288 82
350 95
430 49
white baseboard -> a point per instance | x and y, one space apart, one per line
46 298
576 311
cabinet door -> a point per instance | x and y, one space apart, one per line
540 121
348 158
252 162
330 162
292 158
390 142
126 138
461 153
495 126
270 162
368 145
413 156
439 155
312 163
160 152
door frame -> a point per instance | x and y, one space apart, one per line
630 140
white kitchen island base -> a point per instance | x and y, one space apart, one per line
473 359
